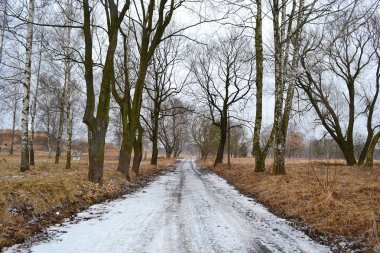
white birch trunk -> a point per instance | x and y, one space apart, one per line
26 90
14 116
69 127
34 107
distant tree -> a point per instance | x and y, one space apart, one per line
48 105
205 136
238 140
295 142
162 84
224 73
173 126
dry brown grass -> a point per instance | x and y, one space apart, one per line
48 188
333 199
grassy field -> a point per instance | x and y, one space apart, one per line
46 194
331 198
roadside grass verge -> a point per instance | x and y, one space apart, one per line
48 193
332 199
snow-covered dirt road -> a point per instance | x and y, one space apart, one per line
188 210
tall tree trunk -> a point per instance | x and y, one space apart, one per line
364 152
125 157
26 91
138 150
155 138
348 153
256 149
279 161
96 153
228 142
126 144
34 107
97 126
222 141
61 121
48 135
69 125
371 139
132 122
168 151
291 76
285 75
68 68
13 123
371 150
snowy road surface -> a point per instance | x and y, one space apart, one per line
188 210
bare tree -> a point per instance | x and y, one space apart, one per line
48 105
97 125
344 58
172 126
161 85
147 30
205 136
224 74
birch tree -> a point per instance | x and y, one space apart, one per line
66 52
26 90
287 30
34 102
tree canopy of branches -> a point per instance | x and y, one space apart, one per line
163 83
224 74
333 68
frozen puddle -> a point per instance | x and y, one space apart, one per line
184 211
